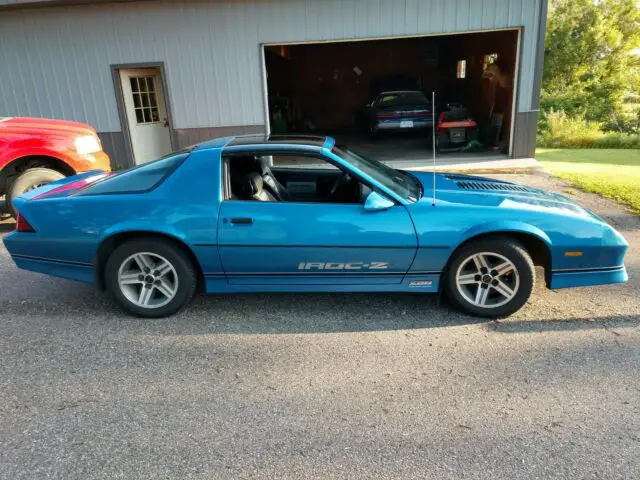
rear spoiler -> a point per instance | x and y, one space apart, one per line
65 186
78 181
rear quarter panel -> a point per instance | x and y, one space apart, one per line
184 206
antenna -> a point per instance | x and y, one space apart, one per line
433 144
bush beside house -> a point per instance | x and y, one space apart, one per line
559 130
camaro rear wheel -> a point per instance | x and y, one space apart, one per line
492 277
150 278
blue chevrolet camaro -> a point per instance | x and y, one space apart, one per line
219 218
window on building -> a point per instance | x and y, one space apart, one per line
461 69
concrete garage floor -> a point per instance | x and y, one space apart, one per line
322 386
411 148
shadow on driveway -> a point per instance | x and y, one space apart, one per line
610 323
283 313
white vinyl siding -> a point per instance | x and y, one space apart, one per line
55 61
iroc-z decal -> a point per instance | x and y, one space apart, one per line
343 266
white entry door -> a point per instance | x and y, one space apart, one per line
146 110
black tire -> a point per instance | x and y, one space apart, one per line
442 141
27 180
187 276
504 247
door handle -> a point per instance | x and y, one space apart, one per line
242 221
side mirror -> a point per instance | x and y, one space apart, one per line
375 201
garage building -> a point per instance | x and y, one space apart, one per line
157 75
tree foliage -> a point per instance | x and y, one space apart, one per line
589 67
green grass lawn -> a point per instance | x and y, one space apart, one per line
613 174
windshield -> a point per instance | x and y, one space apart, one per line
399 182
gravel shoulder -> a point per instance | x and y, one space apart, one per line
322 386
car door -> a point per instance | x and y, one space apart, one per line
298 243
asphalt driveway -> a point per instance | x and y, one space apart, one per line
321 386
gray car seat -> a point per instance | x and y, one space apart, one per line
254 189
243 166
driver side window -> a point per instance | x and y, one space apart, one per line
292 161
293 177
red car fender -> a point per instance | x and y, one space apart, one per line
65 164
13 154
26 137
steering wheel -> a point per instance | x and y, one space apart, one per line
340 182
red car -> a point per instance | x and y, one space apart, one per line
35 151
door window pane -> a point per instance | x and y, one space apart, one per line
303 179
145 102
134 84
301 161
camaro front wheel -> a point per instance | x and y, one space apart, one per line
492 277
150 278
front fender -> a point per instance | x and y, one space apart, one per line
504 226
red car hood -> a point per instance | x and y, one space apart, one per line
35 125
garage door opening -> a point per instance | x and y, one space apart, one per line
337 89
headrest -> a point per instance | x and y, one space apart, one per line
263 164
254 183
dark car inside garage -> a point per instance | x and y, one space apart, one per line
335 87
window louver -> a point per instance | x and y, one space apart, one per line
491 186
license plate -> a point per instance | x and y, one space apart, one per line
406 124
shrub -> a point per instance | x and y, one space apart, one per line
617 140
562 130
559 130
626 122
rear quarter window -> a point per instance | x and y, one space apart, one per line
138 179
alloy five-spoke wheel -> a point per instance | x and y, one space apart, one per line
148 280
151 277
487 279
490 277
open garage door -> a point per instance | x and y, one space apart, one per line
374 94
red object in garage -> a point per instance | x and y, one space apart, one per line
455 128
